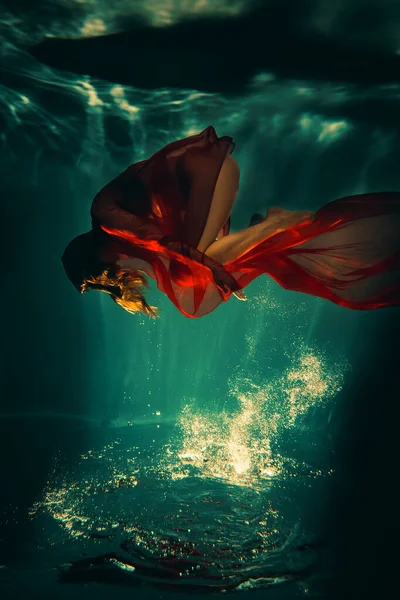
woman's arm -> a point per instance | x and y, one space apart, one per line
224 280
235 244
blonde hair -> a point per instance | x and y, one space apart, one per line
124 287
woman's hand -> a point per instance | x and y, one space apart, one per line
222 278
240 295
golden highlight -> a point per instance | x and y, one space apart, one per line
125 288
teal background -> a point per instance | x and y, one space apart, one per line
79 374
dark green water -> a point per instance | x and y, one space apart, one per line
254 450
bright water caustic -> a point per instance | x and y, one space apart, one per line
212 501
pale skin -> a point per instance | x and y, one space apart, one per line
233 245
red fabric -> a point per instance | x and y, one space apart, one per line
349 253
169 195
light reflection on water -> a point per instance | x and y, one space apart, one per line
218 487
236 446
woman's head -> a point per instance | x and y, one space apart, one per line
87 272
124 286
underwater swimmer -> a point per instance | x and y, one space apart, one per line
168 218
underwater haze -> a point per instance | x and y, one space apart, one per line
253 451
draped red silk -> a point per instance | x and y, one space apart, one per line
348 254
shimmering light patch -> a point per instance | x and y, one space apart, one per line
130 110
18 105
259 582
161 13
325 131
237 446
191 131
207 491
304 91
97 502
93 27
57 503
91 93
133 110
332 130
310 381
305 122
122 565
117 91
223 446
196 96
215 446
69 502
307 384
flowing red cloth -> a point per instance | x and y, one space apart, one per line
155 212
349 253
